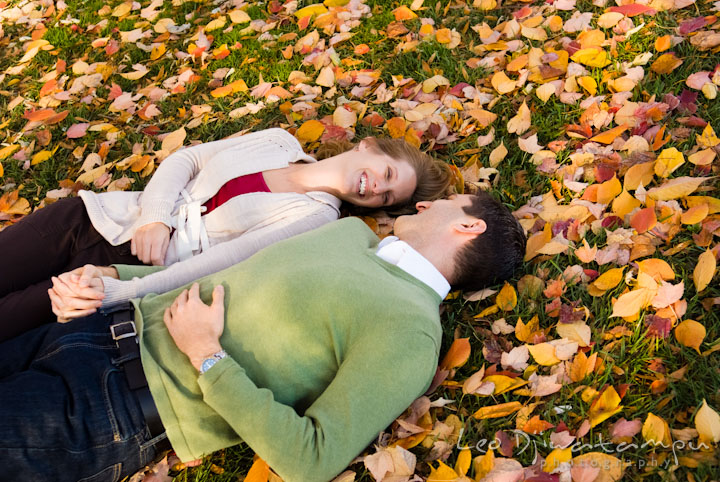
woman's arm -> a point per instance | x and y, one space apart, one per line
215 259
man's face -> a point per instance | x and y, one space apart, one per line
433 216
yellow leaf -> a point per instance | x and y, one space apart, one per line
507 298
310 131
482 116
483 464
314 9
490 310
605 406
157 52
704 270
639 174
497 411
609 136
462 465
690 333
504 383
592 57
676 188
585 253
443 35
557 457
707 423
544 354
174 140
588 83
524 331
498 154
702 158
43 156
695 214
656 431
708 137
609 19
611 468
624 204
712 203
442 473
216 24
631 303
239 16
609 279
668 161
607 190
8 151
545 91
578 332
122 9
502 83
666 63
457 354
656 268
521 122
433 83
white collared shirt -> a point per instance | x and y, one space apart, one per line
405 257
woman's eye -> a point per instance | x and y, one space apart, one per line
388 173
386 199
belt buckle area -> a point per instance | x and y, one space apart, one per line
119 336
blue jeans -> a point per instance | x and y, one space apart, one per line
66 412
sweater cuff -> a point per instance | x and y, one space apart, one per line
156 212
117 291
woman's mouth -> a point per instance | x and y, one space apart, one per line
363 184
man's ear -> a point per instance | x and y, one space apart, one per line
472 226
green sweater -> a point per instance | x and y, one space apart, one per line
327 345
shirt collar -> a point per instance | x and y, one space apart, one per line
405 257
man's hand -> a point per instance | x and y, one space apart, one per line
79 292
150 243
194 326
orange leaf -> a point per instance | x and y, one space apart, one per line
497 411
457 355
690 333
644 220
608 137
663 43
259 472
396 127
404 13
666 63
605 406
656 268
536 426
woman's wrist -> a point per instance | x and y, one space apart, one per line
109 271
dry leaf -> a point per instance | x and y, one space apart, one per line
704 270
690 333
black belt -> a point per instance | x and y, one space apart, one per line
124 333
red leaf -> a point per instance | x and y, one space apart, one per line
644 220
632 10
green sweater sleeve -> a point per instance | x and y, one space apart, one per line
376 382
130 271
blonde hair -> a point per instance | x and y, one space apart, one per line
434 177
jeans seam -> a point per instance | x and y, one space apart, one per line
75 345
117 437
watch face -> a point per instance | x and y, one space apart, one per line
207 364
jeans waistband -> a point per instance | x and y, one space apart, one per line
124 332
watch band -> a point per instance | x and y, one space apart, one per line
209 362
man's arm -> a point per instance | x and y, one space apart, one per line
377 381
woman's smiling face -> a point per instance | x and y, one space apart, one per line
374 179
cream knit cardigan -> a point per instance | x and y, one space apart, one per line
232 232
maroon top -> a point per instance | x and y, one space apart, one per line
236 187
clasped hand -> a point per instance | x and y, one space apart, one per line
79 292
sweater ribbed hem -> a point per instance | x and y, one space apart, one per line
117 291
156 211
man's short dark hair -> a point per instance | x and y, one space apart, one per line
494 255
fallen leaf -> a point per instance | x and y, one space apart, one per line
707 423
690 333
704 270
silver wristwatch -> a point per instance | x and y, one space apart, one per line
209 362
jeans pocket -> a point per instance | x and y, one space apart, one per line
123 409
108 474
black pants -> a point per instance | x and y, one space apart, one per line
50 241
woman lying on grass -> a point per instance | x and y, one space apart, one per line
206 208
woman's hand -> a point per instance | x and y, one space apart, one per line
150 243
79 292
194 326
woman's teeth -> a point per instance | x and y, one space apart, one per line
363 184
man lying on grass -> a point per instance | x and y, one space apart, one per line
307 351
